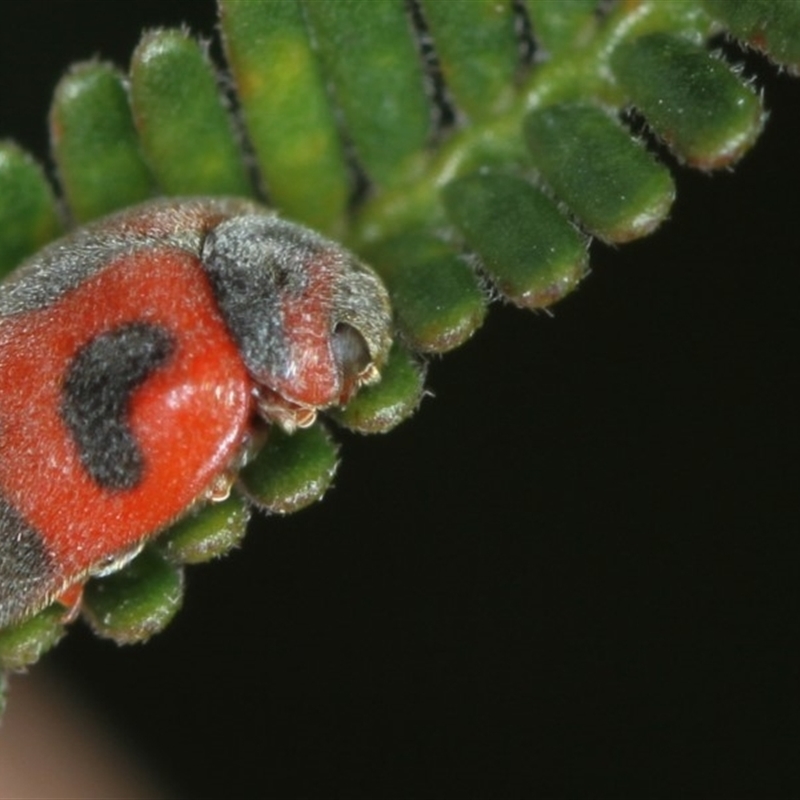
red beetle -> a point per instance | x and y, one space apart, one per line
136 356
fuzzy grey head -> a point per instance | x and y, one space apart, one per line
310 320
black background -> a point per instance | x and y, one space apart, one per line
572 573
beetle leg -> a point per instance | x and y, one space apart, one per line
220 488
71 598
290 416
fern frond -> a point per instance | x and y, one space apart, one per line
425 138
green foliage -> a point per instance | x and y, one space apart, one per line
388 120
27 207
164 108
379 408
437 296
95 144
532 253
702 110
25 643
136 602
769 26
339 104
291 471
278 77
617 190
477 49
210 531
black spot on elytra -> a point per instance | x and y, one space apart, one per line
96 391
25 570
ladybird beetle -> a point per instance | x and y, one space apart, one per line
138 355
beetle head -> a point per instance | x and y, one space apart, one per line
312 323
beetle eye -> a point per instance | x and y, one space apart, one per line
352 357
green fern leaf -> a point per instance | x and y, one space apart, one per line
455 165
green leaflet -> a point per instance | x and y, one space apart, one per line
133 604
175 100
377 83
529 249
285 109
95 145
692 100
27 207
292 470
